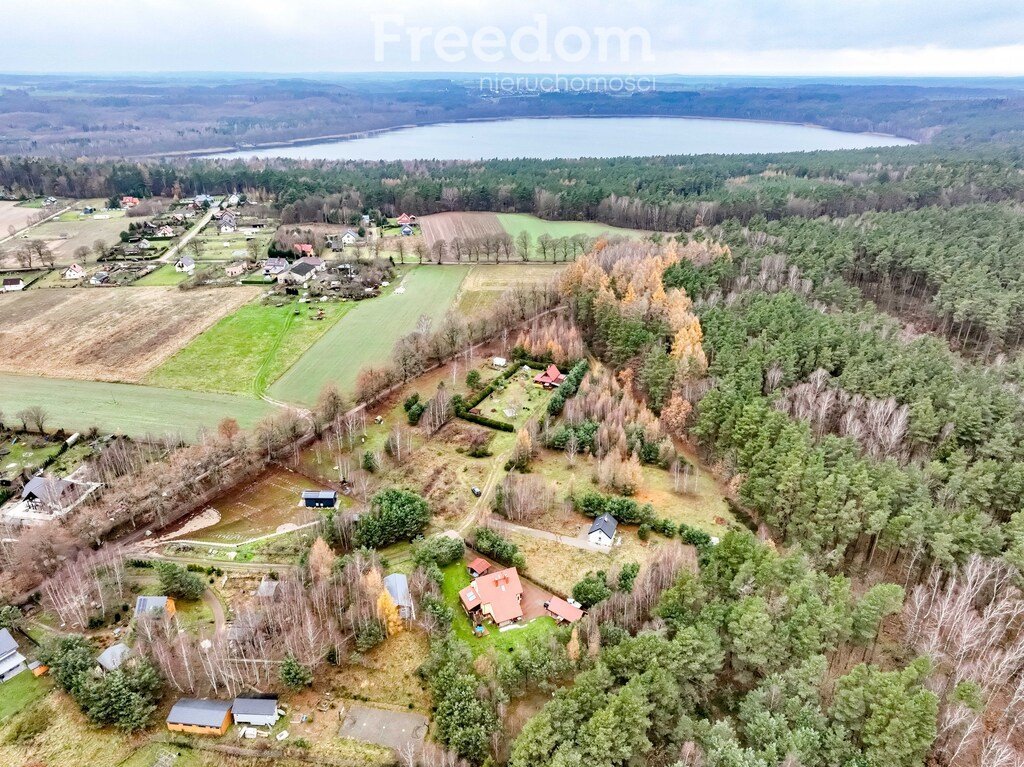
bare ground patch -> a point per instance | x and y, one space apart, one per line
106 334
461 226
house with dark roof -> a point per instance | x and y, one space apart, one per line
154 606
497 596
12 662
12 284
185 264
397 586
550 378
272 267
112 658
319 499
299 274
255 711
200 716
47 492
602 532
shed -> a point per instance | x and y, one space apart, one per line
154 606
561 610
258 711
267 589
112 658
397 586
200 716
478 567
319 499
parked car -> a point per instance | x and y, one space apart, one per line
477 492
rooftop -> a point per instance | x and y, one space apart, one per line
500 591
199 712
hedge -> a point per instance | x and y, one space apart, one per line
569 387
485 421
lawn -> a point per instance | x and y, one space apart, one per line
25 453
514 223
517 401
457 578
164 276
247 350
19 692
126 408
367 334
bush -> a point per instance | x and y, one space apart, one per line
395 515
369 462
439 611
482 420
369 635
594 504
439 549
415 413
694 537
591 590
294 674
411 401
495 546
176 581
569 387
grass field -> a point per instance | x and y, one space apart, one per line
248 349
368 332
19 692
487 283
65 236
106 335
162 277
126 408
514 223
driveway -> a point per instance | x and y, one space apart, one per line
392 729
579 542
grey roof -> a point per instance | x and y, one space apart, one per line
255 706
150 605
187 261
302 268
7 643
46 489
113 656
606 523
267 588
398 587
199 712
326 495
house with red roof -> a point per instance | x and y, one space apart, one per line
562 611
127 201
550 378
478 567
496 595
303 248
406 220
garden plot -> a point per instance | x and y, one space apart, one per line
270 505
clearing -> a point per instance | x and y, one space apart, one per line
247 350
270 504
514 223
18 693
125 408
367 334
387 674
487 283
106 334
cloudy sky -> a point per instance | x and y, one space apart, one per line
798 37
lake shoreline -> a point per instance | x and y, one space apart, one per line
340 138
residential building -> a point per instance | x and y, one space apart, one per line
397 586
185 264
12 662
236 269
154 606
497 595
562 611
299 274
258 712
602 532
350 237
12 284
46 492
551 378
273 267
267 590
100 278
200 716
73 272
499 363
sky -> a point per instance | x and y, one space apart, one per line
695 37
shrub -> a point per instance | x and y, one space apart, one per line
411 401
294 674
439 549
496 546
369 635
591 590
594 504
415 413
395 515
176 581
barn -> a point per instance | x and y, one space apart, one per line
319 499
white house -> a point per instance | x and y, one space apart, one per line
273 267
185 264
259 712
12 662
499 363
12 284
74 272
299 274
350 237
602 532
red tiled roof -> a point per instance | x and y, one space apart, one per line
551 375
499 592
479 565
559 608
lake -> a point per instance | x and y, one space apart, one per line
578 137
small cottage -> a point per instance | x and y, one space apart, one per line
397 586
12 662
258 712
319 499
199 716
602 532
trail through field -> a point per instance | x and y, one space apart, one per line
260 380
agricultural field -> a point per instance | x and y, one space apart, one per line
514 223
164 276
459 226
15 216
487 283
126 408
271 504
248 349
68 232
368 332
105 335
